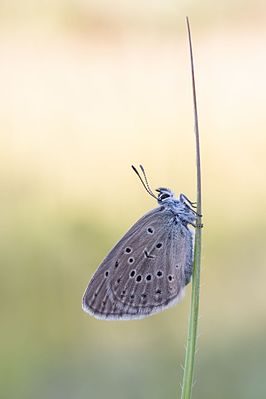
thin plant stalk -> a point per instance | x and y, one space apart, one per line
188 376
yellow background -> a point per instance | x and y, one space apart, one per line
87 89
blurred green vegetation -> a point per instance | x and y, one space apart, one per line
75 111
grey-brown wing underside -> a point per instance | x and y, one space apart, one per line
145 272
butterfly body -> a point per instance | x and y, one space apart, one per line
148 269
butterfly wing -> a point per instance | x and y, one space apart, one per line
145 272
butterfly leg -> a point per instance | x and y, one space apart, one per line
200 225
184 197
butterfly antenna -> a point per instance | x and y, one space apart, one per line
145 177
146 186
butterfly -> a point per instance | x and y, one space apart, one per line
148 269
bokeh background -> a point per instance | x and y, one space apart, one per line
86 89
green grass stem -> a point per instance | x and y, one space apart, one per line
188 376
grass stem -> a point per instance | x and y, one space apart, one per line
195 293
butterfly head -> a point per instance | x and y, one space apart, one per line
164 195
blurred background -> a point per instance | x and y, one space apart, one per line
86 89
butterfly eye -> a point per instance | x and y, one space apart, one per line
164 196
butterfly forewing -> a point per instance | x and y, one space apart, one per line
145 272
